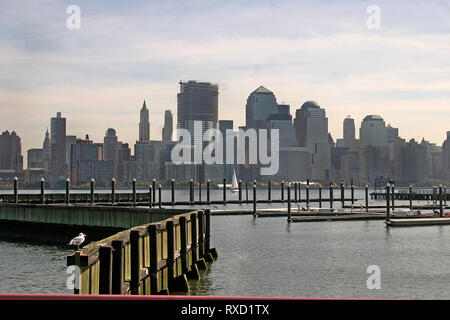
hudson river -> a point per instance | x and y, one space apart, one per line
268 257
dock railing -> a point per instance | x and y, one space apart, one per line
155 258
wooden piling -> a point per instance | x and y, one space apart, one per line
320 196
159 196
254 199
106 258
207 231
42 191
16 190
154 247
352 190
208 187
224 190
134 262
117 267
240 191
183 242
410 198
307 196
173 191
331 195
134 191
388 202
295 192
282 191
393 197
342 194
154 189
113 191
269 191
92 191
201 232
441 208
289 201
150 192
67 198
367 197
191 191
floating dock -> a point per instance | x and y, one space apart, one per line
414 222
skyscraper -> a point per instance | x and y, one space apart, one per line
373 132
349 132
445 157
58 148
197 107
168 126
144 125
311 126
10 152
261 103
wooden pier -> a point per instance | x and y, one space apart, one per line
155 258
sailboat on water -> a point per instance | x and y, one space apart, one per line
234 183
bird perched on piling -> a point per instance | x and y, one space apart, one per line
77 241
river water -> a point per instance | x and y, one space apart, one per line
268 257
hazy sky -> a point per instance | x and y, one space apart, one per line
127 51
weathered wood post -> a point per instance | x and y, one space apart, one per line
388 202
410 198
42 190
269 191
367 197
207 231
67 191
254 199
92 190
352 189
282 191
105 281
194 240
16 190
183 242
153 270
117 267
331 195
295 192
154 189
320 196
224 190
246 191
150 192
307 196
113 191
441 208
342 194
199 192
289 201
134 191
208 188
445 196
240 191
191 191
300 192
201 232
393 197
134 262
160 196
173 191
170 250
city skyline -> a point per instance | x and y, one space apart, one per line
312 51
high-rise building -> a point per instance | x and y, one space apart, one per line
87 162
168 126
197 111
11 152
144 125
445 158
261 103
311 126
58 148
413 163
349 133
373 132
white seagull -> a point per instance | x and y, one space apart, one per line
78 240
